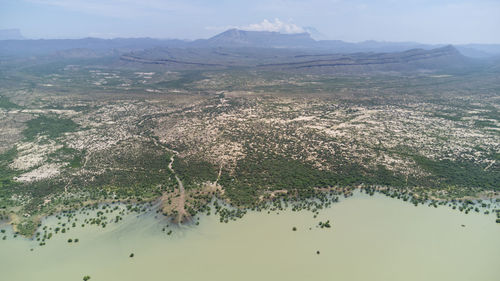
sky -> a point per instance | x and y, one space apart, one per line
424 21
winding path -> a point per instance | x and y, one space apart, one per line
181 210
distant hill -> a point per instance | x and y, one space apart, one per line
299 60
260 39
102 46
232 38
480 50
11 34
413 60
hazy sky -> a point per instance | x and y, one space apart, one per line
426 21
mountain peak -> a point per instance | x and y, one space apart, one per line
269 39
449 48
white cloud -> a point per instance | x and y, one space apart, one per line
277 26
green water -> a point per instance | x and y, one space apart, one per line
372 238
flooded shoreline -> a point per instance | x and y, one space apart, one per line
371 238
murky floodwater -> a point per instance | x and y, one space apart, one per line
372 238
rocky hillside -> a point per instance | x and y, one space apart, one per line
300 61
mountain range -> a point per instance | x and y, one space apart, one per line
12 45
300 61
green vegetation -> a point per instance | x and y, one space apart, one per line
148 180
184 81
7 175
300 179
194 172
50 126
324 224
73 157
7 104
27 227
459 173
